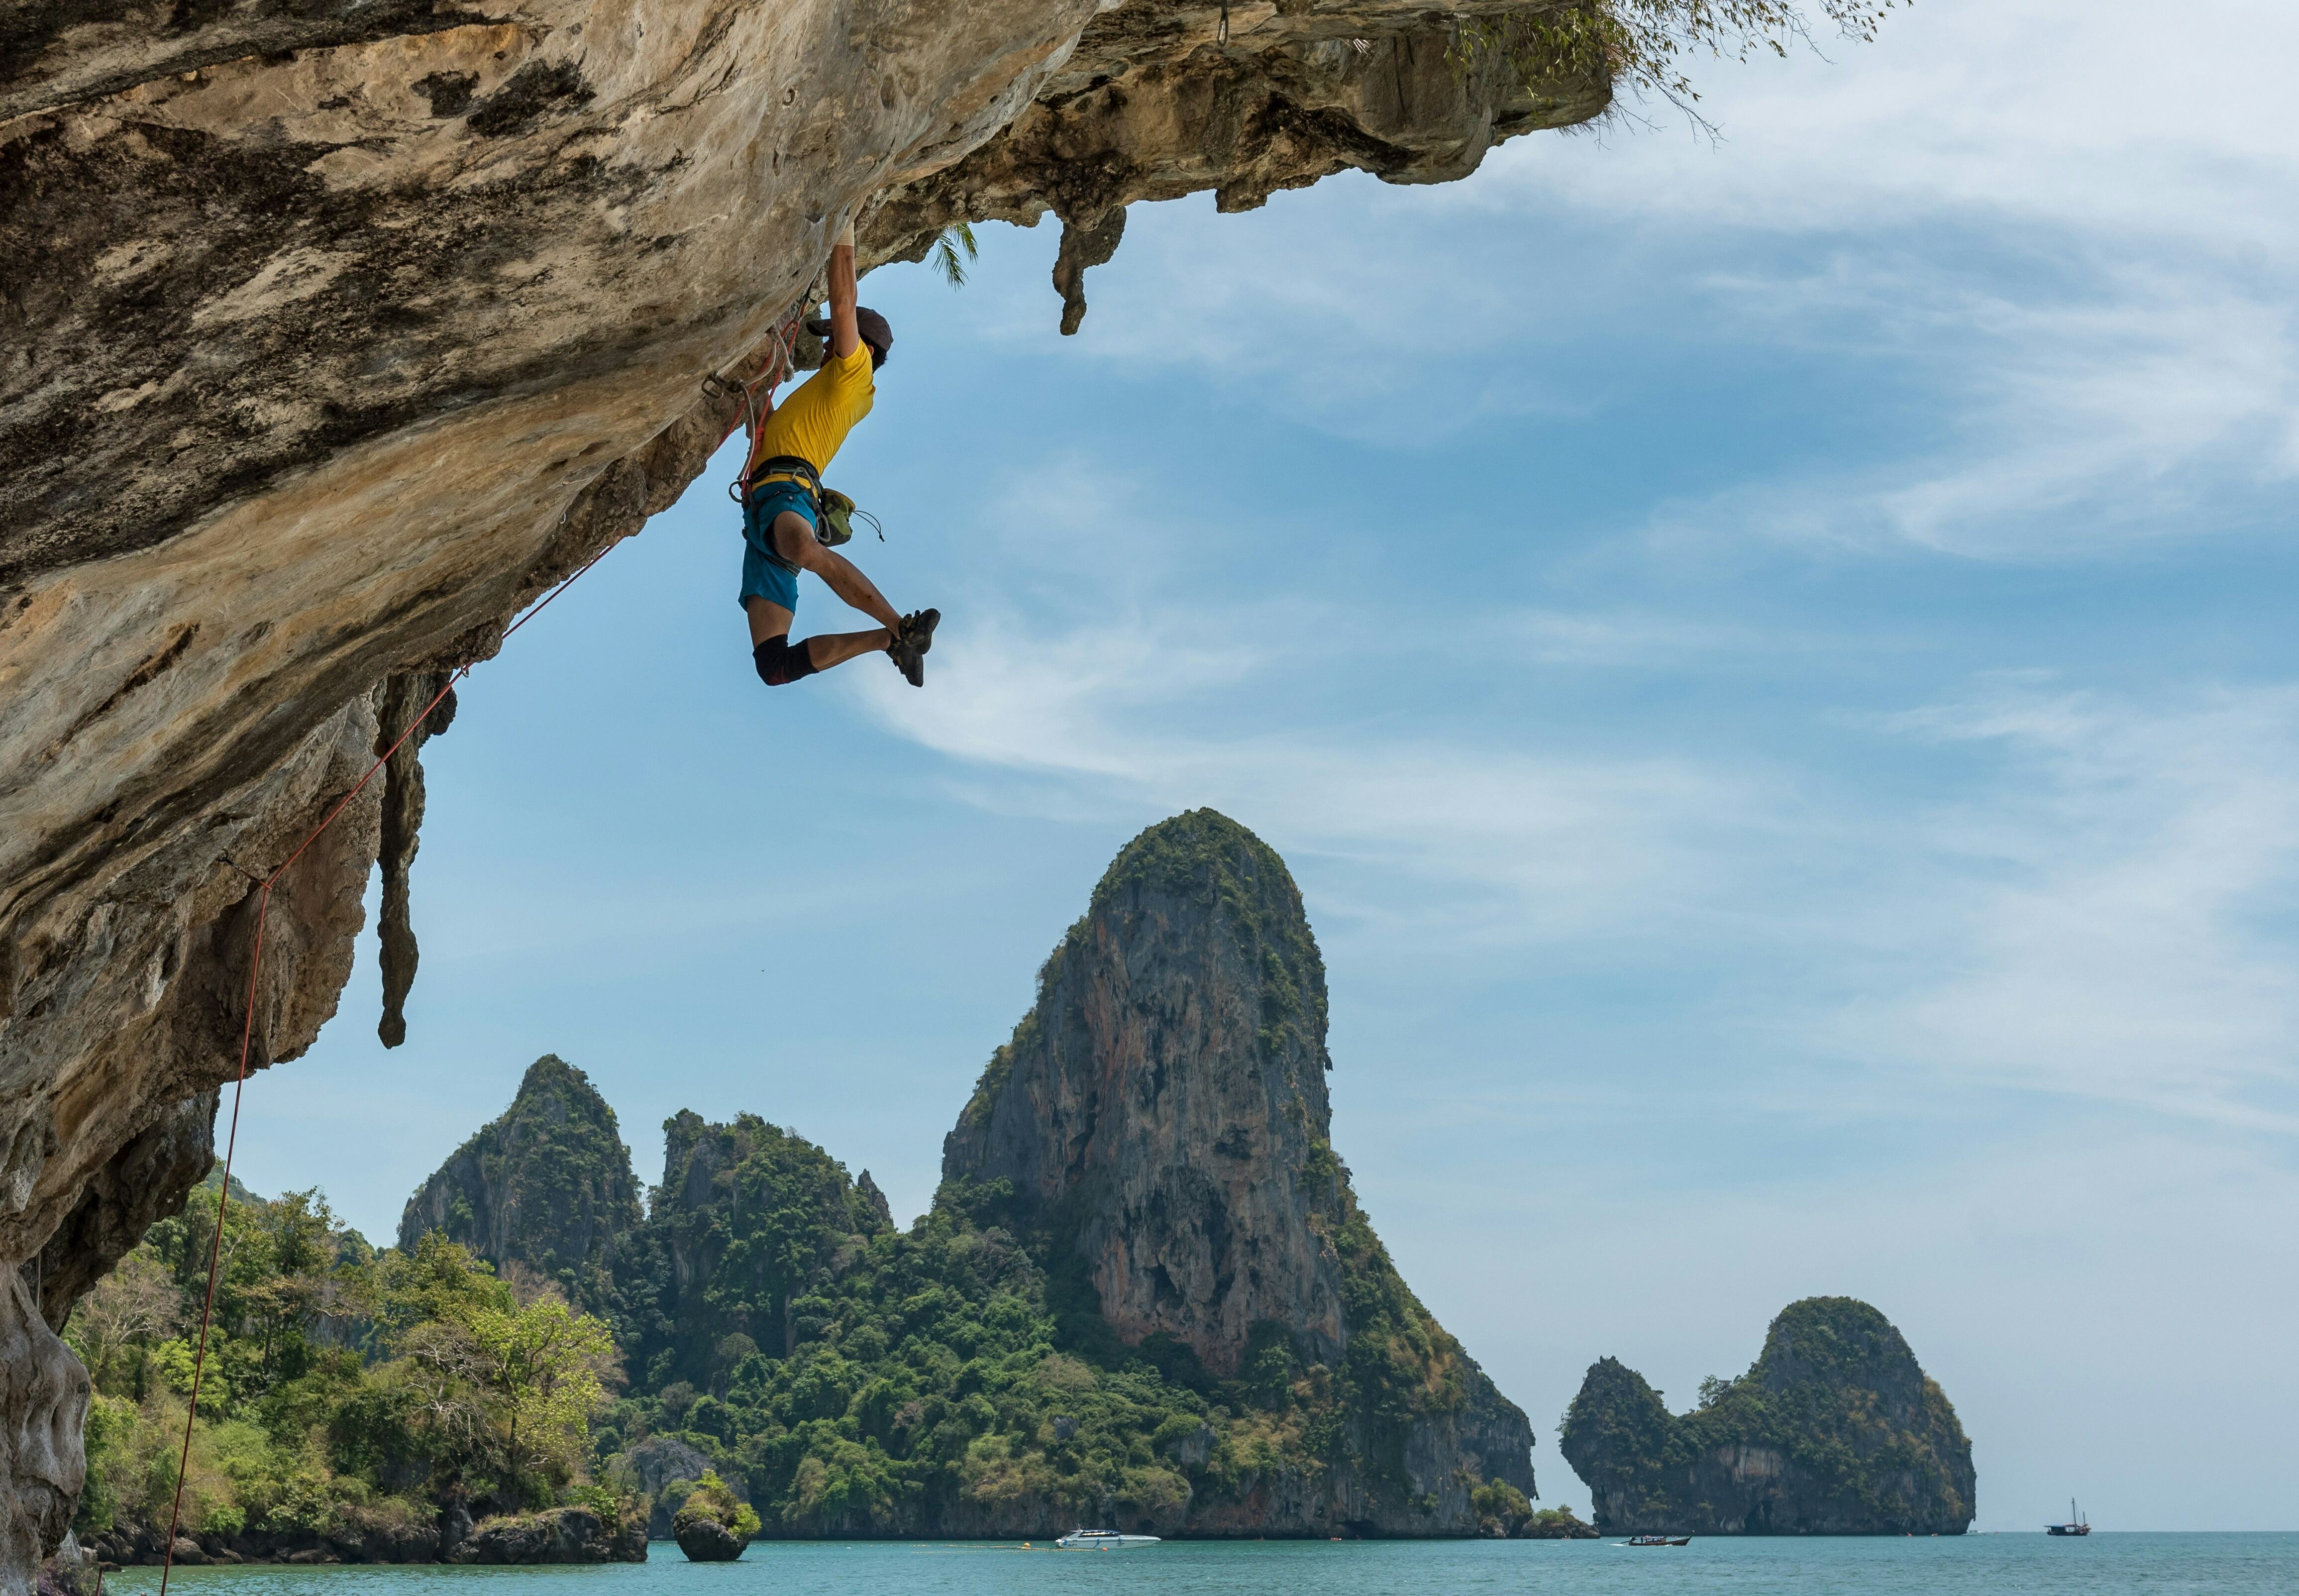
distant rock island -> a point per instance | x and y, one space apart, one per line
1145 1295
1834 1431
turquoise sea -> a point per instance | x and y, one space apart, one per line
2101 1565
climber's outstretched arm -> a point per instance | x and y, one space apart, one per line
843 333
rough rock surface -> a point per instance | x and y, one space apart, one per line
548 1185
44 1395
1169 1090
707 1541
72 1571
1162 1111
417 705
555 1535
145 1181
1835 1431
333 334
352 1536
874 1200
663 1460
1152 105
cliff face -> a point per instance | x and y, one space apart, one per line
1163 1104
1161 1120
44 1395
1834 1431
547 1186
1145 1295
747 1218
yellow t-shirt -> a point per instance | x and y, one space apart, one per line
820 412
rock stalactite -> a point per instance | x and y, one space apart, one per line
406 695
1092 245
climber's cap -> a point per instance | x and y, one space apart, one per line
871 325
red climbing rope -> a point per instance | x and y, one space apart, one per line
247 1037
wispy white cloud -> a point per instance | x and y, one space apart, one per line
2111 120
2072 419
1141 712
2113 917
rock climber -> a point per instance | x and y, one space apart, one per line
782 503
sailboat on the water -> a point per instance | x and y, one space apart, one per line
2077 1524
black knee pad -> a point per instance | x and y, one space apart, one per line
781 661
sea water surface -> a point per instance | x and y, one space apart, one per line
2099 1564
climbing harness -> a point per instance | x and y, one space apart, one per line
247 1037
833 511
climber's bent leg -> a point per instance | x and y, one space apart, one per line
780 663
780 544
769 591
795 542
835 648
767 619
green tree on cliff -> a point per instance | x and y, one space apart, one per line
339 1383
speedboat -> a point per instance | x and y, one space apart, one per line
1658 1541
1086 1540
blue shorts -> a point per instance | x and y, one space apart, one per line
766 574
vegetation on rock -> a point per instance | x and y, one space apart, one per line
346 1394
1505 1513
944 1379
1835 1430
713 1525
711 1498
1643 45
546 1188
821 1372
909 1381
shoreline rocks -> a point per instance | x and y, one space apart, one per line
705 1540
571 1534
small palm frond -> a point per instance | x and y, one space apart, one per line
956 236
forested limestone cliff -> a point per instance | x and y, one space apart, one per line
1161 1122
1835 1431
1145 1294
547 1188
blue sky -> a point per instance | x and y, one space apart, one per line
1771 663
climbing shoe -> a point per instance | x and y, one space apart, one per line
911 640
